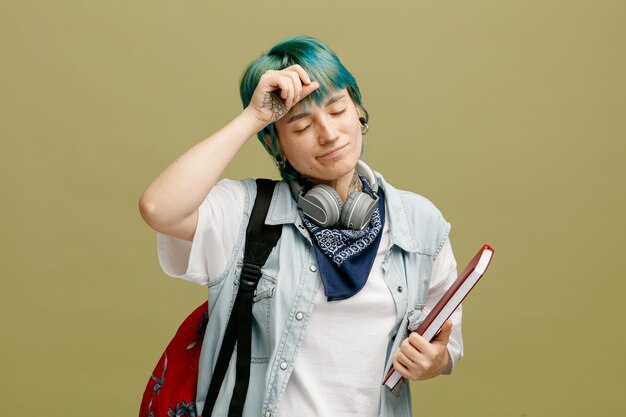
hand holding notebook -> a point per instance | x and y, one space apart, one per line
448 303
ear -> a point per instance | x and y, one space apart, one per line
359 111
267 140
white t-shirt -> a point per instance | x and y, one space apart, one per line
332 339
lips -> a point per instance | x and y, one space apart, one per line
332 153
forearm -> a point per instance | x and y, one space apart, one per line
183 185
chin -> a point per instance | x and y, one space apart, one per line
337 169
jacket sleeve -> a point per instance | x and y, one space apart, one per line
444 272
205 257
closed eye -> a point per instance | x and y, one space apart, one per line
332 114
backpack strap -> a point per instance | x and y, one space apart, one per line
260 240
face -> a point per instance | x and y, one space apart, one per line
324 142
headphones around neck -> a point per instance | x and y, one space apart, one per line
322 204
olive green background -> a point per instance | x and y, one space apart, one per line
508 115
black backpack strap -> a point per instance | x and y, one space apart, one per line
260 239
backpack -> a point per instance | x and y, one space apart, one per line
171 389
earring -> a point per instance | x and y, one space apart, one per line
280 161
364 127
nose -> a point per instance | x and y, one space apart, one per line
326 131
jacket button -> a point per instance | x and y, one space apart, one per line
313 268
283 365
400 289
299 315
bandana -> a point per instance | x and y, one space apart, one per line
345 257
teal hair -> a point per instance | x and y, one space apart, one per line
322 65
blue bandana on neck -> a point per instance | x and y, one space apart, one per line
345 257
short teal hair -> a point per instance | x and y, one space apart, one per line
322 65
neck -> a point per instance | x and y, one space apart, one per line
344 185
355 184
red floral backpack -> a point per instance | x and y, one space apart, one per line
172 388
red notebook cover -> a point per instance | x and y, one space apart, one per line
449 302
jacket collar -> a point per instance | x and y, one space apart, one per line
401 227
283 210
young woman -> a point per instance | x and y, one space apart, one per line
357 265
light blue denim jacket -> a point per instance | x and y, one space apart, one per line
284 297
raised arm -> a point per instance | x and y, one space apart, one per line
170 203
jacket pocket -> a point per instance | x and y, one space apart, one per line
415 317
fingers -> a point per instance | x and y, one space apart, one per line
286 87
308 89
301 73
409 362
417 342
292 90
278 91
417 359
400 367
293 82
296 90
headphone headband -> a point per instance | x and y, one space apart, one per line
323 206
363 169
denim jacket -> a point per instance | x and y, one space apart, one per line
284 297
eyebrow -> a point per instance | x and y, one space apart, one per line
306 113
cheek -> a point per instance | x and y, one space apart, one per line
297 154
353 126
291 148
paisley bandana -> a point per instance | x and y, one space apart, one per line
345 257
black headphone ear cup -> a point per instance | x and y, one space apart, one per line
357 210
322 205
